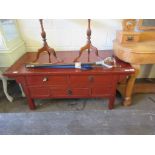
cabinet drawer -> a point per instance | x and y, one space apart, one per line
79 81
91 80
81 92
103 80
102 91
39 92
67 92
130 38
47 80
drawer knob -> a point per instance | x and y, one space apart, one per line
45 79
69 92
91 78
130 38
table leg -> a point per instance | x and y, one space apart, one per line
130 85
31 103
111 102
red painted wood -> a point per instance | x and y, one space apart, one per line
70 92
59 92
39 91
68 83
111 102
102 91
68 57
47 80
79 81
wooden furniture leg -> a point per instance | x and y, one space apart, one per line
130 85
31 103
46 47
88 46
111 102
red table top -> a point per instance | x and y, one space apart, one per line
18 68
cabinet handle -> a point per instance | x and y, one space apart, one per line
69 92
91 78
45 79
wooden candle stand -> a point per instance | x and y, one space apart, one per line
88 46
45 47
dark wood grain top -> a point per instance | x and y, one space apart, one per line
18 68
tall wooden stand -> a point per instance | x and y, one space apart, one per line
88 45
45 47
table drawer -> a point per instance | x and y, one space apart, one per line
91 80
130 38
102 91
46 80
67 92
102 80
39 92
79 81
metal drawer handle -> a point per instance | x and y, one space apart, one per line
91 78
69 92
45 79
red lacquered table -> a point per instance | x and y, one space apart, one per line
99 82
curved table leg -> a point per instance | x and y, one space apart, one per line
130 85
23 94
4 81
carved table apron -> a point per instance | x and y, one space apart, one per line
99 82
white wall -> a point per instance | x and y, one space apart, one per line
70 34
11 44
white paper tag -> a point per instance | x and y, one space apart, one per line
78 65
129 70
15 72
